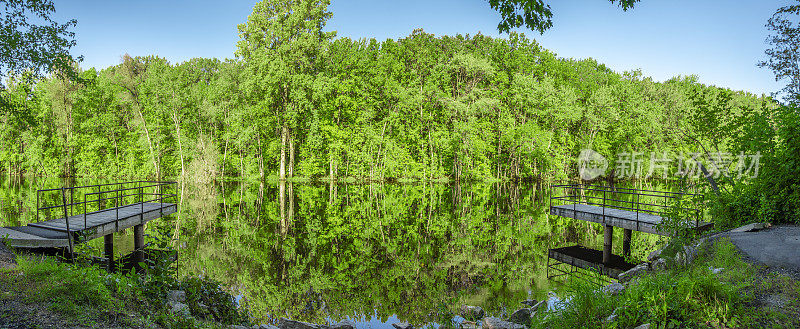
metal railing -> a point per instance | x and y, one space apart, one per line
655 203
96 199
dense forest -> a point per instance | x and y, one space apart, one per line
298 103
419 108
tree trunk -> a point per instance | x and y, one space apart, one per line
282 168
290 173
150 144
260 157
183 178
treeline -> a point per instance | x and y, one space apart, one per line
306 105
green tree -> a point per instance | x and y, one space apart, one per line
280 45
782 56
534 14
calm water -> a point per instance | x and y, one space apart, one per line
376 254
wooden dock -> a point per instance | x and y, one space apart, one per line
617 207
102 210
588 259
625 219
84 227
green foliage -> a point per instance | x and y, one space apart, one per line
72 290
300 105
676 298
773 196
534 14
88 293
30 40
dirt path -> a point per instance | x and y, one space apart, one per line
777 247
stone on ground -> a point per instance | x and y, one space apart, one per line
644 326
344 324
495 323
285 323
403 325
521 316
540 304
469 325
634 272
264 326
472 312
654 255
659 264
686 256
751 227
179 308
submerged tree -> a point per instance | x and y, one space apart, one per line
280 45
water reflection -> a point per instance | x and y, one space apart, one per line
328 252
373 253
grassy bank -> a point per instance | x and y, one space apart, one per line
41 292
740 295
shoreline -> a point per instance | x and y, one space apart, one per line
715 259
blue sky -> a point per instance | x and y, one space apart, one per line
719 41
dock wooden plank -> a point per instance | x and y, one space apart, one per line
14 238
53 233
642 222
590 259
103 217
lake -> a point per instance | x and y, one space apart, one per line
374 253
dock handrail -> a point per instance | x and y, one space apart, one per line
635 204
141 189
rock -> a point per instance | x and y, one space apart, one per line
751 227
403 325
715 270
344 324
236 326
179 308
654 255
521 316
264 326
614 289
472 313
529 302
659 265
686 256
644 326
539 305
495 323
176 296
284 323
469 325
634 272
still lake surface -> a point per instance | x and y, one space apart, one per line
374 253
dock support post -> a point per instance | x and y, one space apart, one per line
608 233
626 242
108 240
138 244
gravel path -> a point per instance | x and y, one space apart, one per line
777 247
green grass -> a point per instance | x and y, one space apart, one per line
89 295
678 298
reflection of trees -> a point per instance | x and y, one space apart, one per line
394 249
